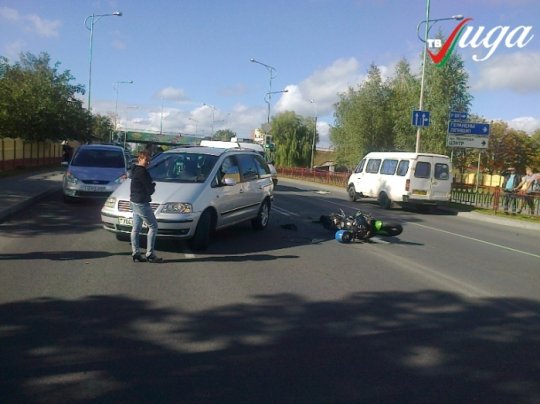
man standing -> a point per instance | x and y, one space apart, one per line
511 180
142 188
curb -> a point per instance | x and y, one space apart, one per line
7 212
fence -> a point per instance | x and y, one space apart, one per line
486 197
15 153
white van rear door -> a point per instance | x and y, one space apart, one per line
431 178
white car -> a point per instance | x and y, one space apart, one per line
198 190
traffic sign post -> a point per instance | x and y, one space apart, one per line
420 118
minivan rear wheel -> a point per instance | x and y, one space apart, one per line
261 221
201 238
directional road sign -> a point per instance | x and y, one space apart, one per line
459 116
467 141
468 128
420 118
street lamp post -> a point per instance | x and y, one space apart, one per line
116 85
429 23
196 123
271 72
269 95
213 116
89 24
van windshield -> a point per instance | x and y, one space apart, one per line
182 167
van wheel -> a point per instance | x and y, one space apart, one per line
261 221
353 197
201 238
384 201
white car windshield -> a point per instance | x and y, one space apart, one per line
182 167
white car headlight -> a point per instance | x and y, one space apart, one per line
177 207
110 202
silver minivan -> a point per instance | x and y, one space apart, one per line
95 171
198 190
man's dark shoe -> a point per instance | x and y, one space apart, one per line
138 258
154 259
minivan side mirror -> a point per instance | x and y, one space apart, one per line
228 182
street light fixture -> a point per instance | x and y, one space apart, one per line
271 72
116 85
429 23
213 116
89 23
269 95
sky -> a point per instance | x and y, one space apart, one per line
184 66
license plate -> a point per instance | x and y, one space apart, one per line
125 221
419 192
128 221
93 189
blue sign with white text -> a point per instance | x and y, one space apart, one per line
468 128
420 118
459 116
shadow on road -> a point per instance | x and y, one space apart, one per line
427 346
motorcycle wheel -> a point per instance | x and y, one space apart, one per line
391 229
343 236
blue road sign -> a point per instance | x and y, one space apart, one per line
420 118
459 116
468 128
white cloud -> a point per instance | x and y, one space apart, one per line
518 72
31 22
323 87
172 94
526 123
14 49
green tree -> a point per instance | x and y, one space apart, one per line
445 89
223 135
404 95
362 120
292 135
38 102
102 128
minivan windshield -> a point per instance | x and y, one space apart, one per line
99 158
182 167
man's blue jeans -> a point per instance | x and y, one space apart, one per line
142 212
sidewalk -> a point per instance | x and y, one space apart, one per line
20 191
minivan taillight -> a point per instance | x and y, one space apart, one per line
407 185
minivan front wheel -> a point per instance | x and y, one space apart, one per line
384 201
352 193
261 221
201 238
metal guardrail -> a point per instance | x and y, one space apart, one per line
465 194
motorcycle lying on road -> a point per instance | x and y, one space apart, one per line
360 226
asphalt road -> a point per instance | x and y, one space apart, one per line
446 312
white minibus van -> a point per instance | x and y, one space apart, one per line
420 179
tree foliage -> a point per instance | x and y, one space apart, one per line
292 135
38 102
223 135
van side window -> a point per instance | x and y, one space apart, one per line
229 169
402 168
360 167
441 171
389 167
373 166
262 167
248 169
422 170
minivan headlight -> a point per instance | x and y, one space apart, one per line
177 207
71 179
